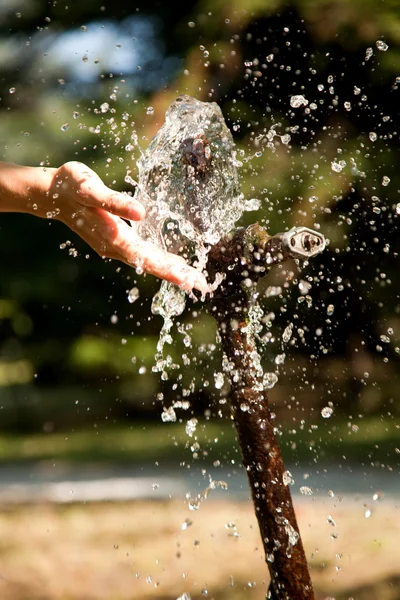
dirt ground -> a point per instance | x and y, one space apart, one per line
162 550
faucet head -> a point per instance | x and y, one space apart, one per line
303 242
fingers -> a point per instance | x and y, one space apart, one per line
90 190
109 236
158 262
96 194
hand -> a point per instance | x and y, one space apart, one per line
79 198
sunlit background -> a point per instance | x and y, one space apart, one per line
310 90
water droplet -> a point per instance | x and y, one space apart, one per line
330 310
186 524
149 110
75 114
331 521
382 46
252 204
347 106
372 136
12 90
269 380
398 209
168 415
218 380
287 334
287 478
385 180
306 491
64 127
368 53
280 359
327 412
297 101
368 513
142 370
270 57
191 426
385 339
338 166
104 107
133 295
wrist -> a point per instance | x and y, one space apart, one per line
25 189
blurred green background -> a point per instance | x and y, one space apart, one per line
91 81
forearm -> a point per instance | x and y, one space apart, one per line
25 189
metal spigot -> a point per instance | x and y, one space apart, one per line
304 242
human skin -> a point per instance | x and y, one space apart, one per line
76 196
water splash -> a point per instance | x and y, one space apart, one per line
188 180
189 185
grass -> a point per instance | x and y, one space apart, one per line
139 550
367 440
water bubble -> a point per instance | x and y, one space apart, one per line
356 90
330 309
398 209
297 101
185 596
142 370
372 136
83 28
64 127
382 46
149 110
306 491
321 87
285 139
133 295
331 521
385 339
327 412
269 380
105 107
347 106
85 58
270 57
385 180
12 90
313 199
367 513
